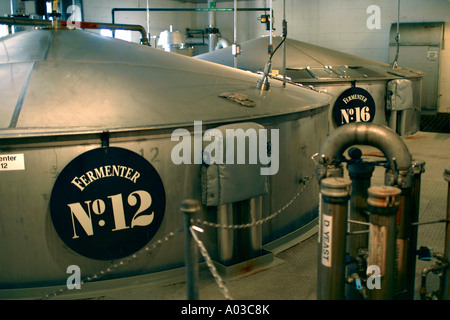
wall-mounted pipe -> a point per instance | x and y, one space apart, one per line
25 22
113 26
212 29
211 17
82 25
114 10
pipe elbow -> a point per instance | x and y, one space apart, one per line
378 136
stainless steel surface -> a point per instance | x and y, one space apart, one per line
225 237
293 274
328 70
324 63
420 48
63 90
85 60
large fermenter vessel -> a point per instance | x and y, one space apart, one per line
101 140
365 90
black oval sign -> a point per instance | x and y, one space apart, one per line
107 203
354 105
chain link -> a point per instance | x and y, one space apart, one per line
305 182
123 262
210 265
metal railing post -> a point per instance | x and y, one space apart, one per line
188 208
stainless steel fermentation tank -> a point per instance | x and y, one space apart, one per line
394 95
72 100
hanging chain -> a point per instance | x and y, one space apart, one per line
148 249
305 182
210 265
123 262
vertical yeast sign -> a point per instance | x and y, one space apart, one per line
107 203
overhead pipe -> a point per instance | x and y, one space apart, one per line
211 18
10 21
212 29
112 26
82 25
271 29
235 48
114 10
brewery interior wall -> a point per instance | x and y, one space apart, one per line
339 25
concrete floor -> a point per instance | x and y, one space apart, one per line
292 275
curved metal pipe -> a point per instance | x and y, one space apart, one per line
371 134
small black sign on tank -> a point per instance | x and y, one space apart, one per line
354 105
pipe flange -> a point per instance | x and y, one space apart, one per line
383 196
336 187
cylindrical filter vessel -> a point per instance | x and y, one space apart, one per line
335 193
383 205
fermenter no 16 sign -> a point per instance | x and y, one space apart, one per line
354 105
107 203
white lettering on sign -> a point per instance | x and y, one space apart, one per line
105 171
327 225
353 97
355 114
98 206
11 162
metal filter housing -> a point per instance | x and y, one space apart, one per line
66 92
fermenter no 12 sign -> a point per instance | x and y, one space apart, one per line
107 203
354 105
